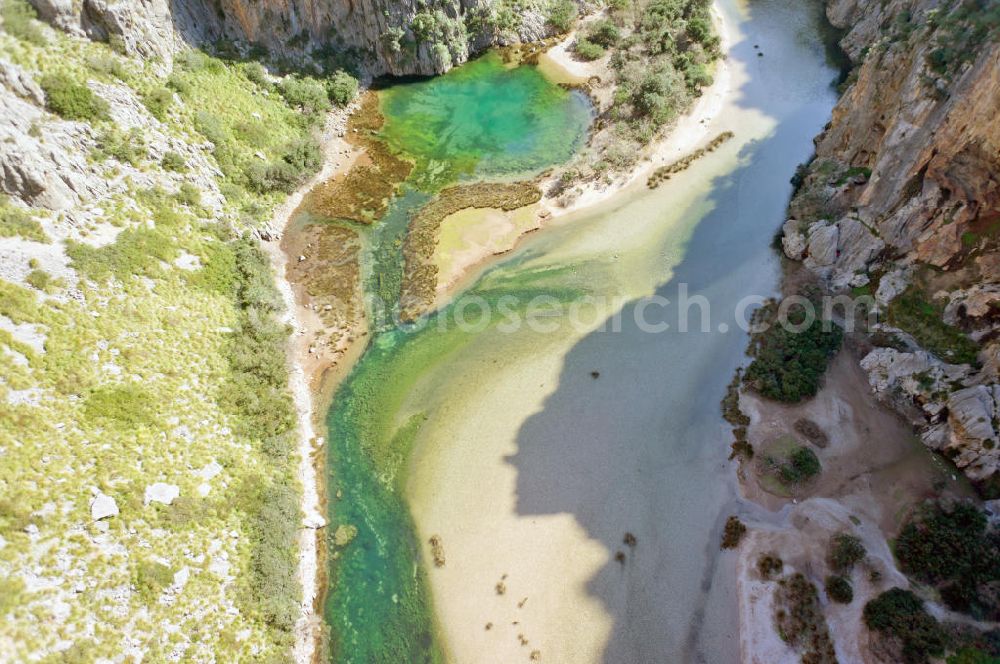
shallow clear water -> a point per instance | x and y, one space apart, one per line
481 121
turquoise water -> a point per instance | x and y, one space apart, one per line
485 120
480 121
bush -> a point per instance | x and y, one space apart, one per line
158 102
604 33
562 14
899 613
15 221
127 148
922 317
173 161
343 88
839 589
770 565
255 73
189 195
733 532
587 50
20 21
788 365
954 549
845 552
72 100
801 466
305 93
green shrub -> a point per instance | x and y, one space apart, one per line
128 148
899 613
561 14
255 73
587 50
15 221
604 33
158 102
135 252
189 195
845 552
953 548
173 161
129 406
72 100
41 280
343 88
305 93
788 365
839 589
801 466
151 578
913 312
20 21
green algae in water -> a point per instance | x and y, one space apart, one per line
484 119
379 604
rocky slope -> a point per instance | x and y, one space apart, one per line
384 36
903 203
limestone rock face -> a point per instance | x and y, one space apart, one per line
397 37
972 444
907 175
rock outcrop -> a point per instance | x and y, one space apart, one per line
905 188
397 37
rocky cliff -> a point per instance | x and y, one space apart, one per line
902 202
395 37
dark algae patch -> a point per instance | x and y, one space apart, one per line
430 147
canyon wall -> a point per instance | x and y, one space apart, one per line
397 37
903 203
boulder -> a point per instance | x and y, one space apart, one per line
102 507
823 238
792 240
161 492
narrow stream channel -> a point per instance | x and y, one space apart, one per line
532 450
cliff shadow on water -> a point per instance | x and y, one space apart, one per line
643 449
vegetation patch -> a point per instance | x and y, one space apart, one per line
922 317
789 358
363 194
785 467
800 621
72 100
899 616
845 552
953 548
733 532
420 276
839 589
664 173
16 222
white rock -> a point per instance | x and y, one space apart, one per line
209 471
314 522
161 492
103 506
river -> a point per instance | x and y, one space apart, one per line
531 451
